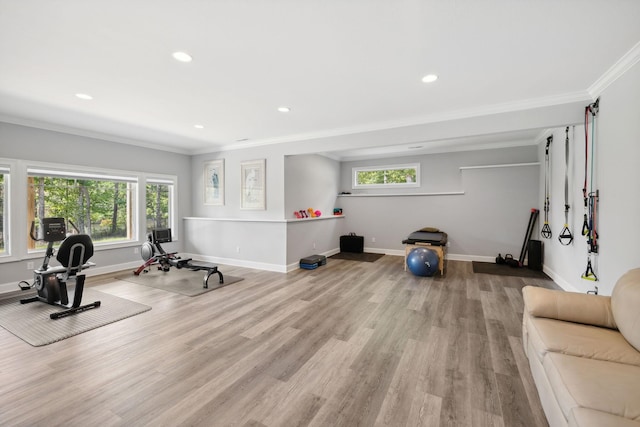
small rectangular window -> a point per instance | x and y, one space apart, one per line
394 176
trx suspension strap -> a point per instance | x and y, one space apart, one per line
590 195
565 236
546 230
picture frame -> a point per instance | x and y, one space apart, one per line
214 182
253 185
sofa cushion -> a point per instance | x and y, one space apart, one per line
625 302
589 383
576 339
584 417
569 306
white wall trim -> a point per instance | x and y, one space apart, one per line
192 218
238 263
443 193
507 107
621 66
39 124
507 165
559 280
296 265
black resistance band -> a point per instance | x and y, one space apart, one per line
565 237
591 196
546 230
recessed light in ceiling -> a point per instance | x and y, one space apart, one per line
415 147
242 139
284 109
182 57
84 96
198 126
430 78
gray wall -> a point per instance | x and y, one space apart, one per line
30 144
489 218
617 177
311 181
257 244
264 239
232 159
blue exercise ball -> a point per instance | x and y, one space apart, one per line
423 262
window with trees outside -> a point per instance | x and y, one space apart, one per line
387 176
159 201
4 179
102 206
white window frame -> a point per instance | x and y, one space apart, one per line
72 171
356 170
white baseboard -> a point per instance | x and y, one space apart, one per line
238 262
559 280
296 265
96 271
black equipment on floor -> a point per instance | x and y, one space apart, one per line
546 229
51 282
153 253
527 237
352 243
535 255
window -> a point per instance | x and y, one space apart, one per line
387 176
4 182
99 205
159 202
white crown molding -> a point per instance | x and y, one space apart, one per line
486 110
621 66
87 133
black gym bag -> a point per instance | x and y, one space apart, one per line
352 243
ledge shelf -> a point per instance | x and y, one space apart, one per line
506 165
315 219
444 193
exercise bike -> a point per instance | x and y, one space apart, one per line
152 253
51 282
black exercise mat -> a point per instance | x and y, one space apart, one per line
31 322
184 282
505 270
355 256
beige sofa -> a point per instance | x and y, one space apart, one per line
584 353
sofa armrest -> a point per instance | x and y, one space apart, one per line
569 306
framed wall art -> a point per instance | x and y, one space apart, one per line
214 182
253 185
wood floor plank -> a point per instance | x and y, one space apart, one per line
347 344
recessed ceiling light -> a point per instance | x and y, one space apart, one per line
84 96
430 78
284 109
182 57
198 126
415 147
242 139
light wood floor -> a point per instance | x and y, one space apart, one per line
348 344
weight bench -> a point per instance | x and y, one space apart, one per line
434 240
153 253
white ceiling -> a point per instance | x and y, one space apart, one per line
344 67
